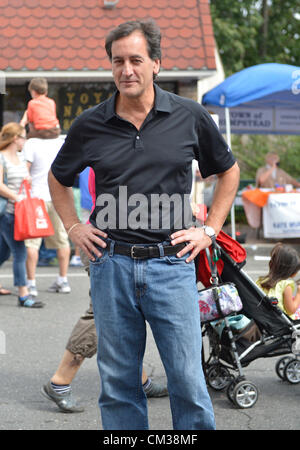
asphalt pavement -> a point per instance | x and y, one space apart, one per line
33 341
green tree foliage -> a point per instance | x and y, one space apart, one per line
279 40
250 32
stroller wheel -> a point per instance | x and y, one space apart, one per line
218 377
229 390
292 371
245 394
280 366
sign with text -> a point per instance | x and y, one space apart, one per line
281 216
259 120
288 119
73 101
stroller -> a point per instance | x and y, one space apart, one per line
268 333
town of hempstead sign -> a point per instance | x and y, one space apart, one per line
259 120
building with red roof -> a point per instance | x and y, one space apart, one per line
63 40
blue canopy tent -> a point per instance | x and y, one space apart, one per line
266 95
269 84
264 99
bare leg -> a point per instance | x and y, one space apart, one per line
68 368
23 291
144 376
63 255
31 262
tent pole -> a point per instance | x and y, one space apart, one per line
228 138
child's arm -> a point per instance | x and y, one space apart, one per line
291 303
24 120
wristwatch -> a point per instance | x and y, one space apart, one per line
210 232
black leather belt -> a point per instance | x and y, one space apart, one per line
140 252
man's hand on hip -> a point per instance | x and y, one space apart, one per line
196 240
86 237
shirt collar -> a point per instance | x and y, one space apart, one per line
162 103
110 107
162 100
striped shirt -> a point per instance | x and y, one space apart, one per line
15 175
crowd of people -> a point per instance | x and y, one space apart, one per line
143 138
24 157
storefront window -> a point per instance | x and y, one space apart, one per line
71 99
14 103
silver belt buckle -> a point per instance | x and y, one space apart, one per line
132 252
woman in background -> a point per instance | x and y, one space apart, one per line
12 139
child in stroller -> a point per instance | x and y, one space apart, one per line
269 331
284 265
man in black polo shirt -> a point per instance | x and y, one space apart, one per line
141 143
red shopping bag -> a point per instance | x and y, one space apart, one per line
31 217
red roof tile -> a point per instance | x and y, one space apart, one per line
63 35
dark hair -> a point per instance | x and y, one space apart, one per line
284 262
147 27
39 85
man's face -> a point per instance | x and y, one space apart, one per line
132 67
272 159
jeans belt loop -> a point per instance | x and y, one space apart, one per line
161 250
111 248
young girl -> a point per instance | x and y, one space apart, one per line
12 138
284 265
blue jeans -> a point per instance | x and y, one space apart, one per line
125 293
17 249
4 250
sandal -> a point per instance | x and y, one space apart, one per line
4 291
28 302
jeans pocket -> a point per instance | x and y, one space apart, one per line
173 259
100 259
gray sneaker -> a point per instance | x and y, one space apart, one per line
65 402
63 288
156 390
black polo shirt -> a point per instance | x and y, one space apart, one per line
143 177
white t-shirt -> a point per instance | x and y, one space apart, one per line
41 153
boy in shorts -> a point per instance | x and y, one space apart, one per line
41 112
